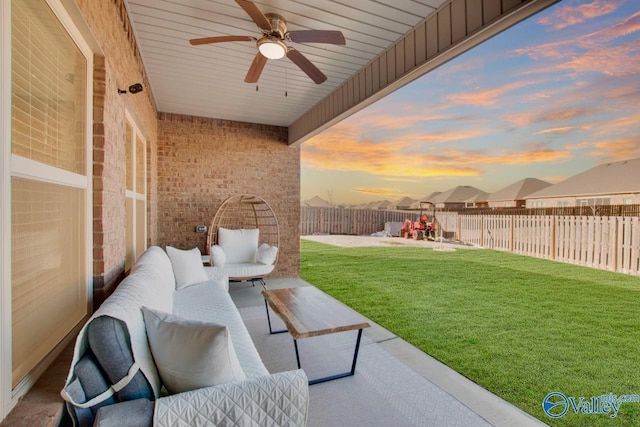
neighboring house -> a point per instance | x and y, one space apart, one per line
616 183
477 201
430 197
369 205
513 196
406 203
383 205
317 202
457 197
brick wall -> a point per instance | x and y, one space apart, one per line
192 163
119 66
203 161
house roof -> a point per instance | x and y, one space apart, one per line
608 178
317 202
518 190
480 197
405 202
430 197
459 194
383 204
208 80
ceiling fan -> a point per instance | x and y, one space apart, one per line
272 44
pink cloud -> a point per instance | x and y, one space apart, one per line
592 52
568 15
578 146
394 122
378 191
617 149
551 115
562 129
620 125
393 179
539 154
615 61
487 97
461 134
554 178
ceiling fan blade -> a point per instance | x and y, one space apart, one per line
256 14
316 36
305 65
253 75
221 39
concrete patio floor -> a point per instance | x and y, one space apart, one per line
490 407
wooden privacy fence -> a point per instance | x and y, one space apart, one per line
609 243
347 221
605 242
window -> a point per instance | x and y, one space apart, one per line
595 201
49 153
136 199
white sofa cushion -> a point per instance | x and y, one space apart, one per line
191 354
218 258
239 245
267 254
242 270
187 266
275 400
210 302
218 275
154 267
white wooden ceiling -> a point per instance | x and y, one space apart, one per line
208 80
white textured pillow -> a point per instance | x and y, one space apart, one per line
187 267
239 245
218 258
190 354
267 254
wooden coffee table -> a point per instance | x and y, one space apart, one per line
309 312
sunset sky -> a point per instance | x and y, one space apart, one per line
548 98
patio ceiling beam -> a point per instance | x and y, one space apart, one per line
456 27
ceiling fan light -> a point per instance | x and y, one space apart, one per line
272 48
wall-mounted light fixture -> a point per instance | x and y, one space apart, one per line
134 88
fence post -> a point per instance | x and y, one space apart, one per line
635 246
511 233
552 244
614 244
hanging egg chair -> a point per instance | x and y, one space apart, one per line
245 229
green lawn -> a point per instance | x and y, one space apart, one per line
521 327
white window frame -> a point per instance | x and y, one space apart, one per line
15 166
135 195
5 213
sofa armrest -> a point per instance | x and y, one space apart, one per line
280 399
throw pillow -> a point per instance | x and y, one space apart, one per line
218 258
187 267
190 354
239 245
267 254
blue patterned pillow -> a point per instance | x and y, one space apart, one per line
109 340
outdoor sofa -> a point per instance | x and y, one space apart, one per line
139 359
